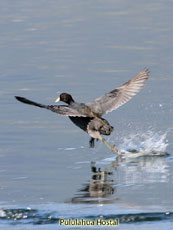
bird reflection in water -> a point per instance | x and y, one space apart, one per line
100 187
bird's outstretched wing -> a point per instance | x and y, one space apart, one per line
119 96
60 109
65 110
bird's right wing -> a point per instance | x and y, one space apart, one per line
119 96
60 109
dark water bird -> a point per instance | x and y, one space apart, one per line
89 116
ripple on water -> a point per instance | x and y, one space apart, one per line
42 217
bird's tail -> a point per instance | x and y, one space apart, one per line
26 101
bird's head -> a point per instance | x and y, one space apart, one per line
65 97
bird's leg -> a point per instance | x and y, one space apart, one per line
112 148
91 142
96 135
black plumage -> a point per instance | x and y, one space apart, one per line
88 116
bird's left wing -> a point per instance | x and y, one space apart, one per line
65 110
60 109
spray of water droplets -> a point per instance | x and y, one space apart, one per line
148 143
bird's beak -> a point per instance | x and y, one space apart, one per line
58 99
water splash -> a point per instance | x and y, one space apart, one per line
147 144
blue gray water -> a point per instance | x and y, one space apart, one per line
86 48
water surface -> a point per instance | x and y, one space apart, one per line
85 48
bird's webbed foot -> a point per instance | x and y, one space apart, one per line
91 142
